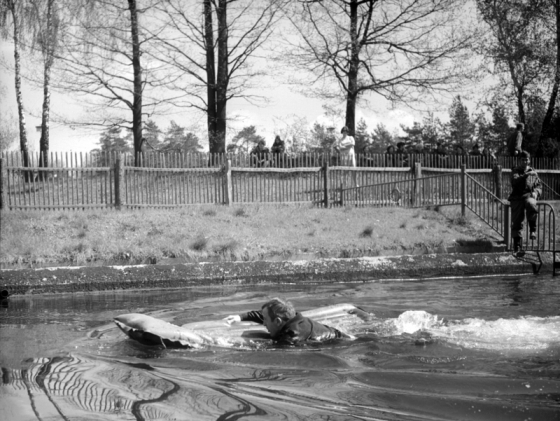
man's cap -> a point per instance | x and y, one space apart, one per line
344 128
525 154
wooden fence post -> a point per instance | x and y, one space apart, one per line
417 176
497 171
342 194
463 190
326 184
3 172
228 186
119 181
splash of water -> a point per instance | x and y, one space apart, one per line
527 333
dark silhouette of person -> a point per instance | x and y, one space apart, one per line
526 189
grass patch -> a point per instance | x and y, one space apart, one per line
129 236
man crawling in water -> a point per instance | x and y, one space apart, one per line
286 326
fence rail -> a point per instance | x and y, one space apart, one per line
178 181
287 160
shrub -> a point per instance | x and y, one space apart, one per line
367 231
240 212
199 244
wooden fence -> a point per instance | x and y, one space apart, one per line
82 181
293 160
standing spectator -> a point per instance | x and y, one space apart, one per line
345 147
476 162
402 160
259 154
278 149
390 158
442 158
475 151
515 142
526 189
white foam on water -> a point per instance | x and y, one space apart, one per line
524 334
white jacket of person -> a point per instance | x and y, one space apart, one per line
346 144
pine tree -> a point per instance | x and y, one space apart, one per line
152 134
381 139
362 137
177 139
499 129
112 141
247 138
460 126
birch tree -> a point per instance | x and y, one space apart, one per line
401 50
103 61
45 17
15 12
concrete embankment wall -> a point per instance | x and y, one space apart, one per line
83 279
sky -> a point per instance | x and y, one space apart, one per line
269 119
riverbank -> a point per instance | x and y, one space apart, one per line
219 234
107 250
333 270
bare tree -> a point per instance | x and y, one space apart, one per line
555 29
402 50
104 60
15 10
515 45
213 61
45 19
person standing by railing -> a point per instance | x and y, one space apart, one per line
526 189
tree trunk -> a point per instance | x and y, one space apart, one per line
137 68
352 93
223 76
210 76
22 130
48 55
545 131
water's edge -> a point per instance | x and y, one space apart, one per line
330 270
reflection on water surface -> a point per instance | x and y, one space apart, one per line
470 349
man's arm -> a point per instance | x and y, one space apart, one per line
255 316
537 186
517 177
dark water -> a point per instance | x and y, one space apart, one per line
453 349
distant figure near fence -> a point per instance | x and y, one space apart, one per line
515 141
475 151
278 152
259 155
345 147
526 189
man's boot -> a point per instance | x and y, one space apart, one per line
518 246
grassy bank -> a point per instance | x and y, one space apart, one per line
210 233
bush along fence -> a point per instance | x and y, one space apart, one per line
77 181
